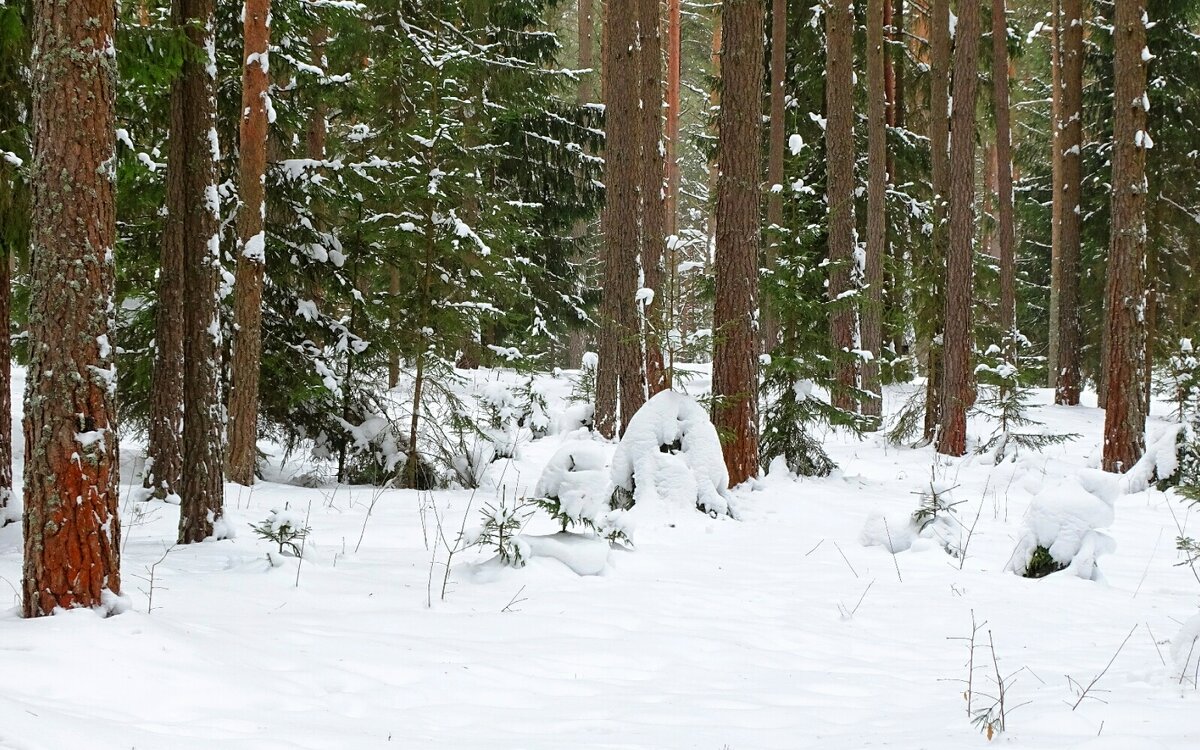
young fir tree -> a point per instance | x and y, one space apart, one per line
71 523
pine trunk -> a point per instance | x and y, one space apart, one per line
619 386
652 171
577 336
935 263
1125 290
1056 189
839 148
1005 232
775 154
1067 377
956 385
872 309
71 523
739 137
251 261
7 515
193 102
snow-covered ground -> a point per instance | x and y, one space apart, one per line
779 630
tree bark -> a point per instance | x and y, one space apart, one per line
739 128
577 336
1125 290
71 523
1056 188
1005 232
1067 377
251 261
652 171
956 386
872 309
934 266
194 106
775 155
839 148
619 384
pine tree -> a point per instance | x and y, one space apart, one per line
1005 231
1068 206
1125 415
872 308
739 128
957 388
651 194
930 314
620 370
778 135
71 523
839 147
196 197
248 287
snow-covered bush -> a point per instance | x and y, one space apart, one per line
501 524
283 527
584 390
376 453
670 454
575 417
1062 532
934 519
575 490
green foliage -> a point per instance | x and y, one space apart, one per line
1042 564
1005 397
284 528
502 522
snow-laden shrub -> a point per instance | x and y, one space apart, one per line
283 527
575 417
575 490
670 454
934 519
378 453
1062 532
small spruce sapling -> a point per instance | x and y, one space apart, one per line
1006 399
285 528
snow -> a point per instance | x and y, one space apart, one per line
710 634
670 456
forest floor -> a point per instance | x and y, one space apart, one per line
776 631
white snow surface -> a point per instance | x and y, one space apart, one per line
712 633
692 476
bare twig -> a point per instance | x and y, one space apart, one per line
516 599
303 541
849 614
1086 690
892 549
843 554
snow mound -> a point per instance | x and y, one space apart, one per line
1064 518
584 554
895 532
576 477
671 455
575 417
1185 646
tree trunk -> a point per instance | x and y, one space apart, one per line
577 336
775 154
939 140
1005 232
193 102
251 262
1067 378
618 379
71 523
1056 189
839 148
1125 417
956 386
872 308
652 171
739 128
7 515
